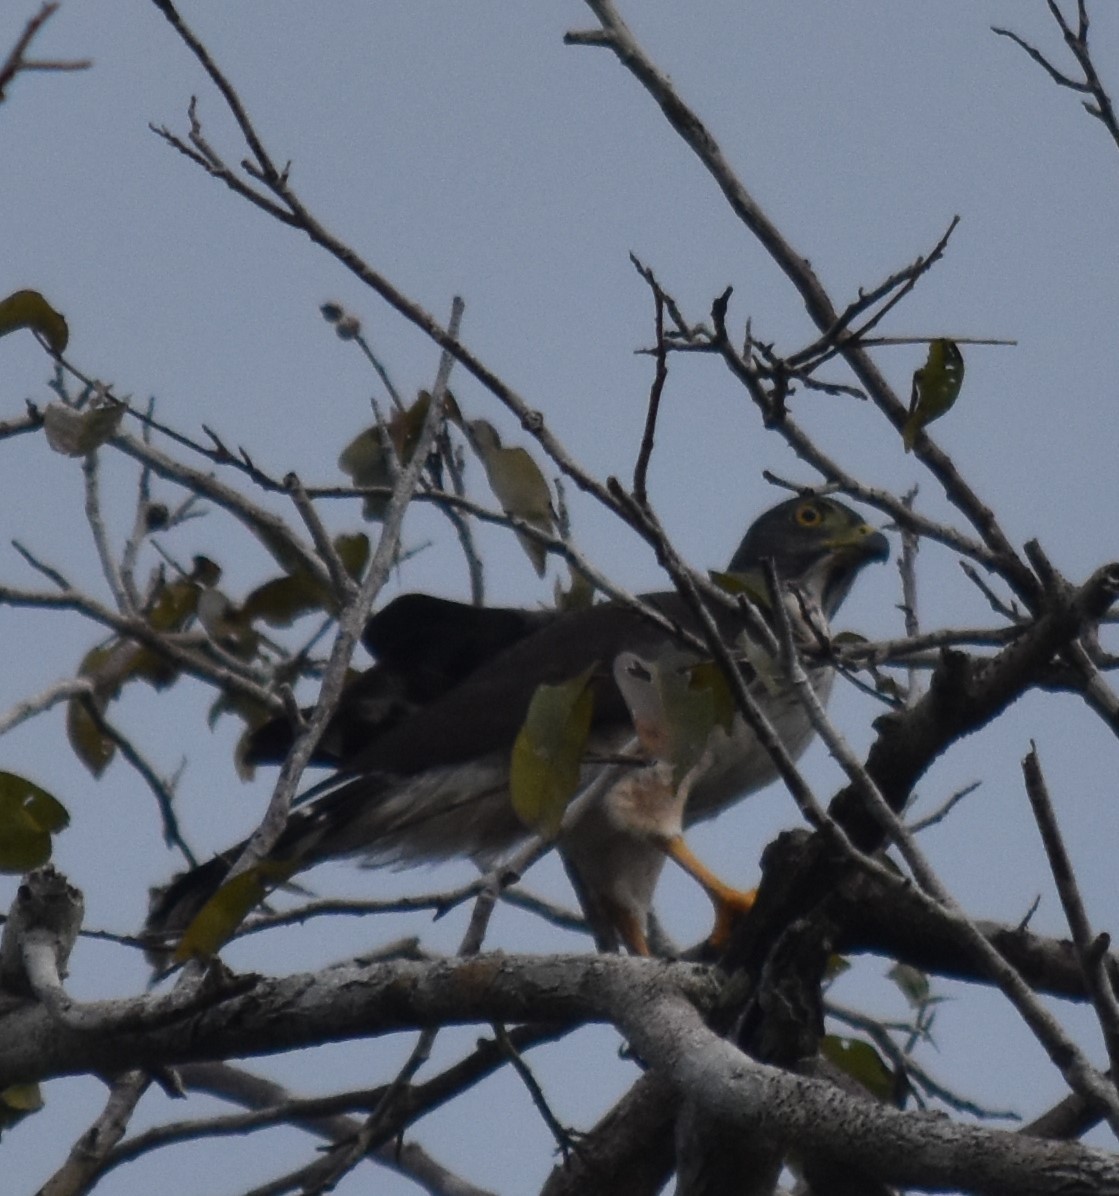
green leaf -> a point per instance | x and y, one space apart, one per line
282 600
548 752
28 817
75 433
835 967
579 595
28 309
862 1063
252 713
104 666
18 1101
936 386
172 604
368 463
111 665
913 983
94 749
365 461
517 484
708 686
353 551
751 584
676 704
767 668
214 924
226 624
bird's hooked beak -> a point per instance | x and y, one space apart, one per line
861 543
847 552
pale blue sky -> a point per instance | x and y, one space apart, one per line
464 150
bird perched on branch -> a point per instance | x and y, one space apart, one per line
424 741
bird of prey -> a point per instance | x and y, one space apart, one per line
422 742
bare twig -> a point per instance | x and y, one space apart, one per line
162 790
616 35
1091 949
87 1158
888 293
344 586
60 691
17 61
350 625
105 553
904 1062
192 653
907 569
48 571
641 469
1089 84
564 1137
938 815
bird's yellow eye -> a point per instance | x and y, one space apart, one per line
808 515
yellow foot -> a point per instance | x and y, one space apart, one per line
730 904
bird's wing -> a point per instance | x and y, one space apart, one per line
483 713
435 784
424 646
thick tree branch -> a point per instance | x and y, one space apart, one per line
822 1123
346 1001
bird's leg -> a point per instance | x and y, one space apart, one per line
631 932
730 903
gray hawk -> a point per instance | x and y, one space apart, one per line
422 741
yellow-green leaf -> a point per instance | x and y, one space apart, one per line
282 600
216 921
104 666
170 608
365 461
17 1101
913 983
226 624
253 714
676 703
172 604
368 462
75 433
862 1063
28 309
28 817
765 666
751 584
936 386
706 679
93 748
111 665
579 595
835 967
518 486
353 551
548 752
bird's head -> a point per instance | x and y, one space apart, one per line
816 544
